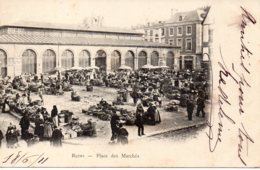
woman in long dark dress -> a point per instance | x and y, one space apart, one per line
54 115
24 124
12 137
114 122
153 114
56 137
39 127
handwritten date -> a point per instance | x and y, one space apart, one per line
25 159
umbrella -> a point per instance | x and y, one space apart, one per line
148 66
55 70
94 67
124 67
163 66
91 67
75 68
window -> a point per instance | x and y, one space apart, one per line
188 44
179 31
145 32
179 42
188 30
156 39
180 18
84 58
163 40
67 59
170 42
171 31
151 32
48 60
163 32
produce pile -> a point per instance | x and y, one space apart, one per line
74 128
32 112
172 106
104 111
97 82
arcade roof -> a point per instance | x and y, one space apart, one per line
69 27
33 39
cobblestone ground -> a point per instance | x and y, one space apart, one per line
180 135
170 120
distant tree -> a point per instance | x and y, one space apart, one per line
96 21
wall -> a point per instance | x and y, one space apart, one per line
14 54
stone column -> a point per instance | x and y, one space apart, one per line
93 61
194 62
148 57
58 59
92 56
135 59
39 62
177 61
182 64
17 60
76 58
199 61
123 54
162 58
108 62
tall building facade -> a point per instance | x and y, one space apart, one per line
208 25
183 29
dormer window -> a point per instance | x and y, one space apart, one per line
180 18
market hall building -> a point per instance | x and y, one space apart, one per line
38 48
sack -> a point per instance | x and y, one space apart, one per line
123 132
7 108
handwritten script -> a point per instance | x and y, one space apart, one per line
20 159
228 75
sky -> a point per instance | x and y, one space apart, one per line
116 13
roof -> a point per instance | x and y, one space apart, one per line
198 15
189 16
32 39
52 26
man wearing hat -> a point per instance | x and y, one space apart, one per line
201 103
139 121
190 107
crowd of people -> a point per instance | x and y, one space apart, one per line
146 87
45 129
